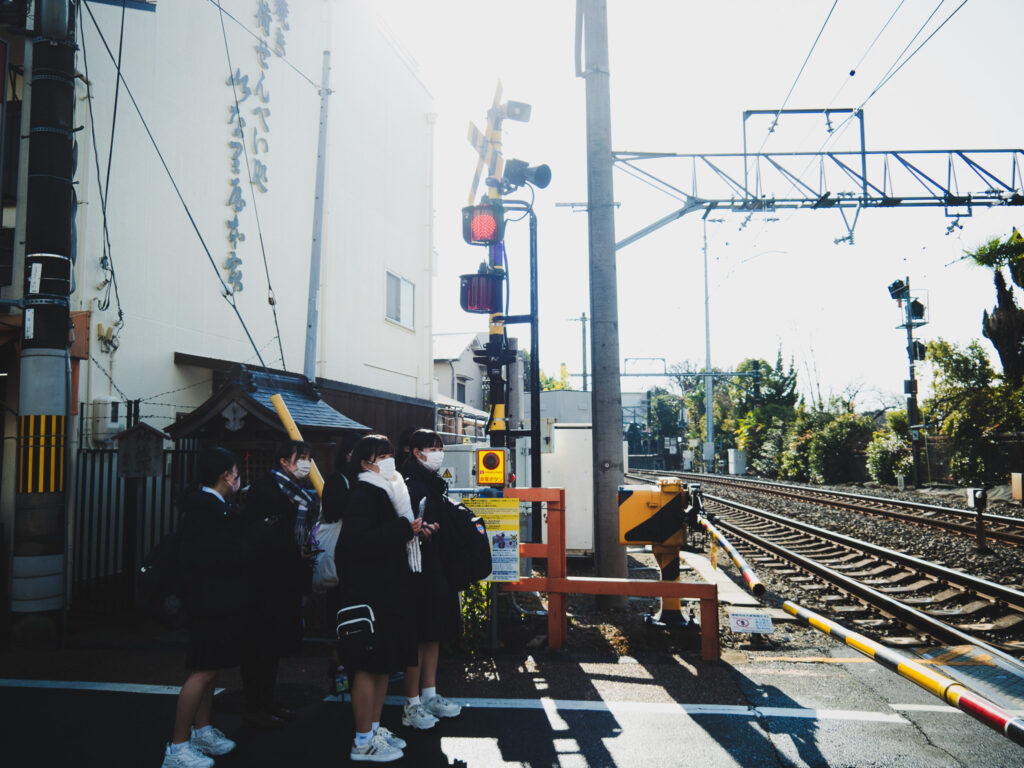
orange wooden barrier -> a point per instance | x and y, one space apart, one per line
558 585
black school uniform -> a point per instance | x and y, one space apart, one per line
373 567
435 602
214 559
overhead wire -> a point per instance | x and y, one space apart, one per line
271 296
893 69
256 37
107 259
785 101
226 292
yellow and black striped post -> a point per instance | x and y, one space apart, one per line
655 515
41 454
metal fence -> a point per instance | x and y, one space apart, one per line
116 522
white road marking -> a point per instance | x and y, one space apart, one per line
73 685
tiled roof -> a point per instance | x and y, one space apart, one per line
303 403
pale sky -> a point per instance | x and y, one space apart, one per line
682 73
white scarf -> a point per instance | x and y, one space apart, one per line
399 496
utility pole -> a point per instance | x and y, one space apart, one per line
40 524
610 556
709 377
312 311
583 319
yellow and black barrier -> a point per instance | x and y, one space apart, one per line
41 454
293 432
753 583
947 689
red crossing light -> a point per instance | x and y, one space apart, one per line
483 224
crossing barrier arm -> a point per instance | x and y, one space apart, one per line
950 691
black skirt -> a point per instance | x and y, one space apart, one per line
214 643
436 609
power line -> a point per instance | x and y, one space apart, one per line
257 38
226 292
107 259
271 297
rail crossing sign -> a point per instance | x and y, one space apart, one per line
488 146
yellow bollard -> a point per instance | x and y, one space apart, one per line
293 432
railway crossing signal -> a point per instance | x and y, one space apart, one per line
483 224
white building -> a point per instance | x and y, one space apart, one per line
206 214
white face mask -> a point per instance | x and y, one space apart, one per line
301 468
386 467
432 460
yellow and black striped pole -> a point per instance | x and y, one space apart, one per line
41 454
950 691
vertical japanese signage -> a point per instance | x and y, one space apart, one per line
249 123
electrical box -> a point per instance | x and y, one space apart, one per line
106 420
463 464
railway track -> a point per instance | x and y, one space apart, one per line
1002 528
880 590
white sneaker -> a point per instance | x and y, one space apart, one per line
415 716
377 751
395 741
186 757
439 706
213 742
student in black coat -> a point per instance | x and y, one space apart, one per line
280 579
377 548
212 559
435 602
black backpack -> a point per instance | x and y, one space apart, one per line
466 548
159 587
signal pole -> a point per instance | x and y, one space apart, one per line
610 557
583 319
38 565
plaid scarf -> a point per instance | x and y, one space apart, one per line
302 498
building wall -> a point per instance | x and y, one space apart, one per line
377 213
466 370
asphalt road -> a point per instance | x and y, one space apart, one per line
812 715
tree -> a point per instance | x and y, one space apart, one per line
1004 326
664 416
964 404
833 449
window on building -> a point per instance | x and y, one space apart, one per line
460 391
401 295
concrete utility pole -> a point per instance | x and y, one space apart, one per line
610 556
40 524
312 309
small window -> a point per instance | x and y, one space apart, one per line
400 300
460 391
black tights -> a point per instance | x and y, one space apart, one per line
259 674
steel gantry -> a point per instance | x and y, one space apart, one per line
957 180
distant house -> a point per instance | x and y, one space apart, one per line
460 385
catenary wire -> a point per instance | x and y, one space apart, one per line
896 66
271 296
796 80
226 292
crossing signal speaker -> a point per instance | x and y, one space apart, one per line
517 173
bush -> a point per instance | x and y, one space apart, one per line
795 462
888 456
832 451
476 615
